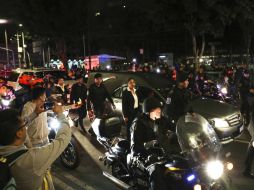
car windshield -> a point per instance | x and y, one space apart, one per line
13 77
196 134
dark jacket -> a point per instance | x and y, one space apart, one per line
97 96
180 99
200 82
245 86
144 129
58 90
78 91
128 104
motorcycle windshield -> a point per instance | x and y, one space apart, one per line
196 136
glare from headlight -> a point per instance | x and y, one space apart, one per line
224 90
214 169
54 123
197 187
230 166
5 102
220 123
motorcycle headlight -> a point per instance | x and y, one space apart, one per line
214 169
220 123
5 102
224 90
54 124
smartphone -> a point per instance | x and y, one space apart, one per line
48 105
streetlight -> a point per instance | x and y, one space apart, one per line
5 21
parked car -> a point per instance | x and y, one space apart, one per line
225 118
20 77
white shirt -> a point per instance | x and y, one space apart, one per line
38 129
62 87
135 97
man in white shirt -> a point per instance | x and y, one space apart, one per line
38 130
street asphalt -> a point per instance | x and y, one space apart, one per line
89 176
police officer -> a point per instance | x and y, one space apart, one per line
200 80
247 96
79 95
146 130
180 98
96 100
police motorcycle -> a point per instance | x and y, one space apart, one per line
70 158
219 91
201 146
198 167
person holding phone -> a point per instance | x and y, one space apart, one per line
38 130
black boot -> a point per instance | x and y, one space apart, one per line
81 123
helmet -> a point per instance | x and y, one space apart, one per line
182 76
150 104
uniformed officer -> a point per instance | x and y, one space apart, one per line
180 98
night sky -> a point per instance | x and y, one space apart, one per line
122 27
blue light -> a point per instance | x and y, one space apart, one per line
191 177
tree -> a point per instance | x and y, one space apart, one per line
199 18
244 10
60 21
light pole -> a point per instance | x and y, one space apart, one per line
23 48
6 47
18 48
5 21
84 45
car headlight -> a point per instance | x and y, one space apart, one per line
6 102
54 123
220 123
214 169
224 90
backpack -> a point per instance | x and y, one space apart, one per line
7 181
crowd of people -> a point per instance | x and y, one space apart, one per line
25 135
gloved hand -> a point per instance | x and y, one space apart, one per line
152 158
151 144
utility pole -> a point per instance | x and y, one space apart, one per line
24 51
84 45
18 51
48 55
6 47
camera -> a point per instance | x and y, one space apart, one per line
48 105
